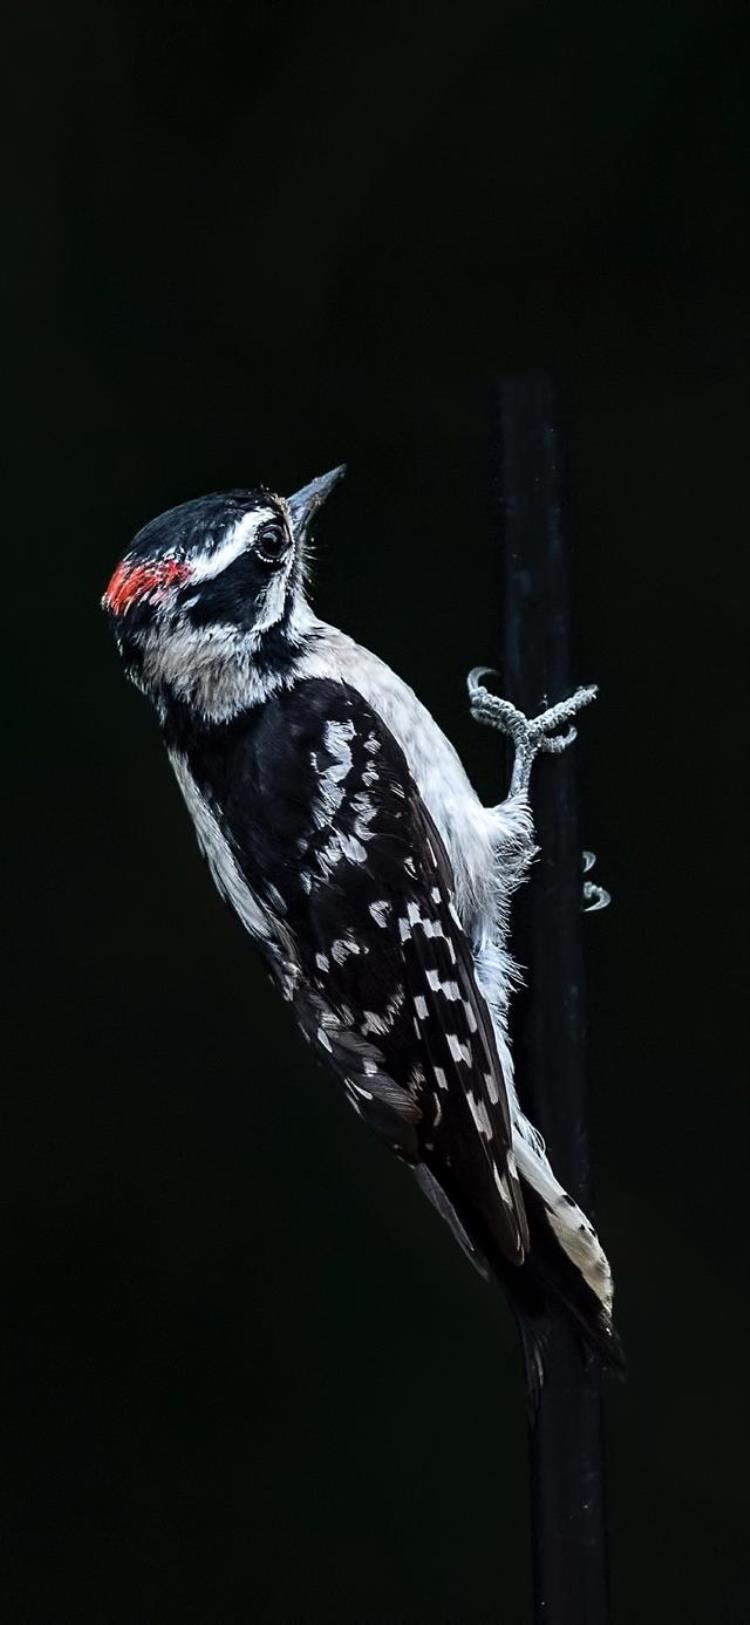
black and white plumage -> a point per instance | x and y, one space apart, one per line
339 823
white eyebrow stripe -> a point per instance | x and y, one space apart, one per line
237 541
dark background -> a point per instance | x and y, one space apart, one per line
246 1373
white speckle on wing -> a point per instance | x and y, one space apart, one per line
502 1185
329 796
380 912
449 990
323 963
337 736
324 1039
352 848
479 1113
330 786
440 1078
340 846
364 810
420 1005
373 1023
459 1051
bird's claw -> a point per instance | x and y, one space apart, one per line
594 897
530 735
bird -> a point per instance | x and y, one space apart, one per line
339 823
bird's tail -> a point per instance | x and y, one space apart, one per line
550 1282
571 1229
566 1267
565 1271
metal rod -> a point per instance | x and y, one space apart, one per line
569 1546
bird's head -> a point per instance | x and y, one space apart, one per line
211 586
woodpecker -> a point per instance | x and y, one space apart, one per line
339 823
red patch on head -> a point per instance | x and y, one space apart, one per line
131 582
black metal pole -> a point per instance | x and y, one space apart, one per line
569 1548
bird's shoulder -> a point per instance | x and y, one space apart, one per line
279 752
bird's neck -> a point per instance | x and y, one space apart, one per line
217 672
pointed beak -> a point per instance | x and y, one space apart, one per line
305 503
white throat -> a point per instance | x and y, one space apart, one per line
218 671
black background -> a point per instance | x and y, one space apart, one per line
246 1373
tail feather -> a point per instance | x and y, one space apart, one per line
550 1286
555 1278
551 1279
573 1230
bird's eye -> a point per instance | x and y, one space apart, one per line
271 543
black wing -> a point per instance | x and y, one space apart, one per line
331 832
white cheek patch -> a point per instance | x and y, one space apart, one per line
275 599
236 542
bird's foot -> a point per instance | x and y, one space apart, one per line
530 735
